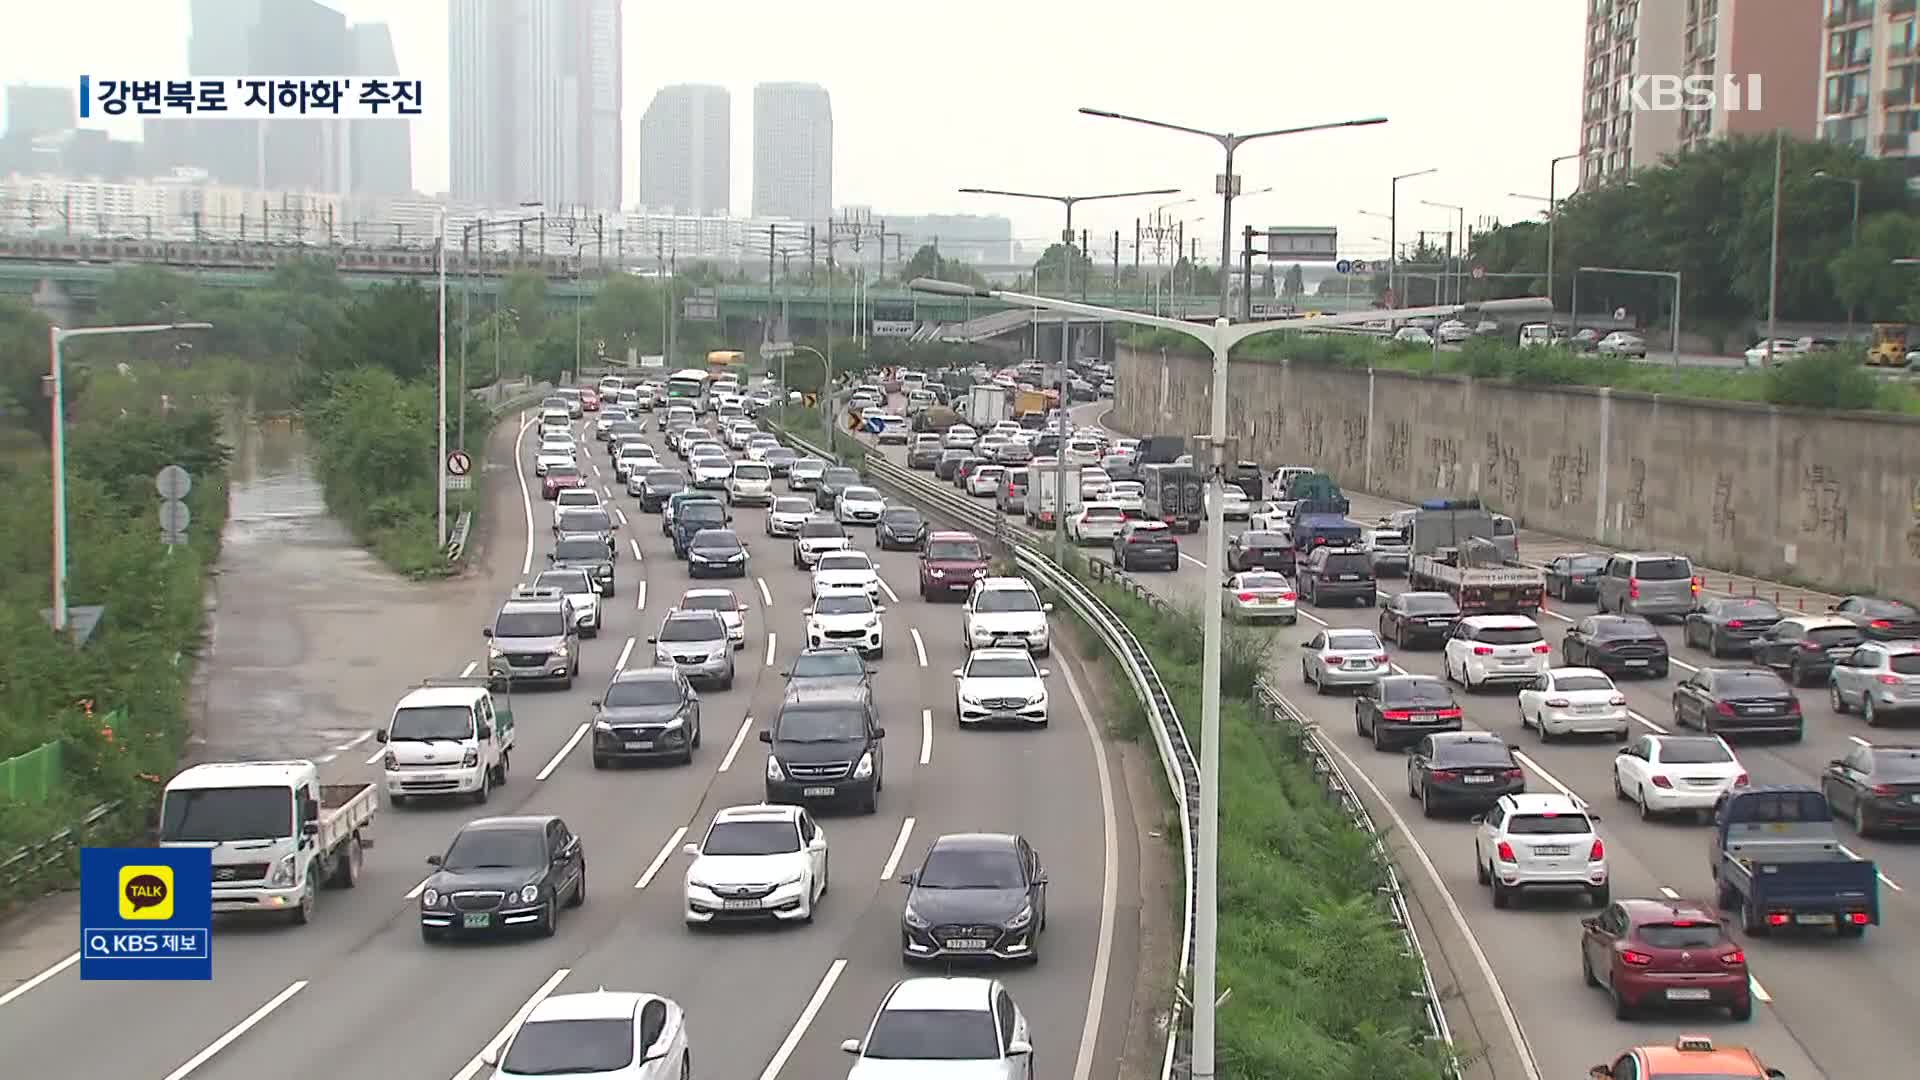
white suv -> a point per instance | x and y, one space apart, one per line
1007 611
966 1028
757 862
1486 649
1539 841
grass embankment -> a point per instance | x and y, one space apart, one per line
1322 988
1829 380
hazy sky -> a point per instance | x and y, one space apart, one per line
931 97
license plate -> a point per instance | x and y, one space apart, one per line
1914 799
1763 711
967 943
1591 708
1359 663
644 744
1478 779
740 905
816 792
1689 995
1349 577
1636 663
1814 920
477 922
1425 717
1552 851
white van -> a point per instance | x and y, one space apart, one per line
1536 336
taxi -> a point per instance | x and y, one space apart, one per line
1690 1057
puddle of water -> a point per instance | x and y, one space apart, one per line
273 494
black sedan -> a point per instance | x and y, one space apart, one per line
655 488
949 461
1879 619
1576 576
901 528
646 714
1394 708
1465 769
977 894
716 553
503 874
1260 550
1141 543
1738 701
1417 618
1618 645
1728 625
1875 787
1804 647
832 482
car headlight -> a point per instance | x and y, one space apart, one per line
430 898
696 883
912 918
980 573
774 771
1021 919
282 872
738 556
529 894
560 651
676 723
865 768
937 573
794 880
602 725
873 623
969 699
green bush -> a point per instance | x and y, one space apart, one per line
1824 380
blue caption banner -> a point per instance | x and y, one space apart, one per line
146 914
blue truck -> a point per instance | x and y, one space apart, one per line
1778 864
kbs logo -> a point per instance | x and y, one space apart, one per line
146 892
1692 93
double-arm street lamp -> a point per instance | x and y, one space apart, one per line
1393 231
57 337
1853 242
1459 244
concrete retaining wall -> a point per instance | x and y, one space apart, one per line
1831 500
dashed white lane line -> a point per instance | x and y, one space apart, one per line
1759 992
1858 741
236 1031
773 641
1317 620
467 672
1676 662
1669 893
324 758
499 1041
919 646
892 597
22 990
1643 721
626 651
355 741
1552 614
739 737
635 545
414 893
640 597
899 849
926 736
561 754
792 1041
606 491
374 758
666 852
1201 563
1884 879
1551 780
620 516
766 595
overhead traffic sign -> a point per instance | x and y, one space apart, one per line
459 464
1344 266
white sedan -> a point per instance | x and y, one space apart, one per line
1129 496
1000 685
712 472
614 1022
1573 701
848 618
858 506
959 437
1262 594
1233 503
1783 351
1669 774
1096 523
745 848
839 572
985 480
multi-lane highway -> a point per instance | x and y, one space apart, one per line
357 994
1828 1008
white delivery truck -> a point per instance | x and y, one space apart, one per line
276 833
448 737
987 405
1044 489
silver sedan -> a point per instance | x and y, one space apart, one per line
1256 596
1339 658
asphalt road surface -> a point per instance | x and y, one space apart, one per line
357 994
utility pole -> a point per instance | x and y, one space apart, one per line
1773 254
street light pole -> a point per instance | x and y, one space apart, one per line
1457 252
440 412
1773 252
1393 232
57 338
1553 211
1853 243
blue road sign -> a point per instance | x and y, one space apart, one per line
1344 266
146 914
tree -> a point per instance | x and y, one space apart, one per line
626 313
1296 283
525 294
390 326
23 366
1266 281
1865 277
1047 270
929 263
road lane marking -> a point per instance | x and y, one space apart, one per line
374 758
739 737
324 758
626 651
1884 879
766 597
355 741
899 849
666 852
494 1045
607 491
1638 719
526 496
467 672
414 893
1311 617
1551 780
1201 563
892 597
561 755
640 596
1669 893
1759 992
236 1031
1858 741
20 991
919 646
1109 883
1682 664
773 639
635 545
620 516
792 1041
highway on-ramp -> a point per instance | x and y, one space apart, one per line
358 994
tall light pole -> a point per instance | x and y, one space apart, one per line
1066 290
1220 337
1459 244
1773 251
578 259
440 412
1853 243
1393 232
1553 212
57 337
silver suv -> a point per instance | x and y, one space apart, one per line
1653 584
536 637
697 643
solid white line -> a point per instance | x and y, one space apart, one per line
1311 617
414 893
892 597
355 741
792 1042
625 652
1550 779
1109 884
1669 893
926 736
766 597
1552 614
495 1044
526 497
635 545
1759 992
1858 741
1884 879
236 1031
467 672
773 640
1676 662
666 851
374 758
640 597
1638 719
739 737
1201 563
899 849
578 734
919 646
20 991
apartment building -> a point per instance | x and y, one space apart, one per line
1869 75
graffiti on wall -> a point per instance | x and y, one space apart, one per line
1725 517
1353 450
1913 525
1315 431
1445 455
1567 473
1824 503
1399 447
1636 493
1502 471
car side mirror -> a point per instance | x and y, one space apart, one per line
879 733
1046 672
1776 1074
1836 763
958 674
1590 923
1019 1048
851 1046
1593 817
549 556
766 737
1046 607
1477 819
380 736
489 1057
433 860
910 877
486 631
483 731
653 641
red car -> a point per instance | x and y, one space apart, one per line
950 564
589 399
1651 953
560 476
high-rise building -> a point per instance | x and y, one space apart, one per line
535 89
380 152
686 150
1758 60
1869 76
40 110
792 152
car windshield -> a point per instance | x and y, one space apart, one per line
528 624
567 581
1904 663
1683 934
751 838
800 725
209 815
665 478
851 560
700 513
842 477
1002 667
1472 752
561 1047
1263 581
828 663
699 629
954 867
850 604
1104 513
708 601
1626 628
585 547
1833 635
652 690
1662 569
586 520
1347 564
1748 609
746 471
1431 693
933 1035
1899 766
1888 609
781 453
423 723
480 849
1262 540
1428 604
1006 600
1734 684
1549 824
1586 564
860 494
901 516
954 551
1582 682
1353 640
792 505
718 540
803 466
1695 751
821 530
1508 635
563 472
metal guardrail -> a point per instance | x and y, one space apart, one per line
1024 546
457 536
31 860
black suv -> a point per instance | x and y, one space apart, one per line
1418 618
826 745
1330 574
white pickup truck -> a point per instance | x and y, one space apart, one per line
447 737
276 833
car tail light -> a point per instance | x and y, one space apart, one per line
1514 774
1663 782
1889 680
1287 596
1883 789
1793 706
1396 714
1617 699
1880 624
1443 775
1380 659
1694 585
1810 646
1637 959
1452 713
1597 852
1633 588
1505 852
1244 597
1740 781
1558 703
1777 918
1857 918
1734 624
1482 650
1734 958
1723 708
1542 649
